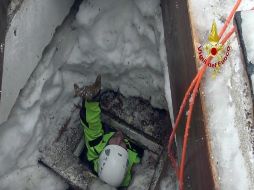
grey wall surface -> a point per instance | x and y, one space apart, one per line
3 27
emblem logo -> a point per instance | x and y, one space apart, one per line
215 49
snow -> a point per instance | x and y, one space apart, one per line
124 41
30 30
123 48
121 39
247 29
227 101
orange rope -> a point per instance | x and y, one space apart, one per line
171 139
190 111
223 41
187 127
232 13
195 84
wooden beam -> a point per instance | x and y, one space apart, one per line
136 137
182 69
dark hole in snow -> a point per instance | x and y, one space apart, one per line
120 108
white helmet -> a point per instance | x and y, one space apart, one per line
113 162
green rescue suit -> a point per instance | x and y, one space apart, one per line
96 140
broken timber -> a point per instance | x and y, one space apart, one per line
136 118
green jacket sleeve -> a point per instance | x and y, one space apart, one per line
92 127
132 160
93 119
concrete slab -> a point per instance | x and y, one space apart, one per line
59 155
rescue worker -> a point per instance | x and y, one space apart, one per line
110 153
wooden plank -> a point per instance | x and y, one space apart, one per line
136 137
182 69
139 114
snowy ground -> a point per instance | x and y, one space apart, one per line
121 39
227 101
